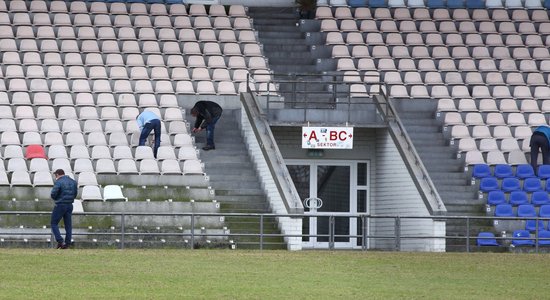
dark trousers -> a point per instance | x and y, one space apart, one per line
210 131
62 211
153 125
539 141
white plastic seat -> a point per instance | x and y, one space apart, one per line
113 193
495 119
57 151
516 157
192 167
105 166
495 157
87 178
42 178
20 178
79 152
32 138
98 152
149 166
187 152
182 140
486 145
83 165
91 193
17 164
480 132
62 163
170 166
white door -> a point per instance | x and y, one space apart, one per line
337 187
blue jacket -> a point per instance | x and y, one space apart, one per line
64 190
544 130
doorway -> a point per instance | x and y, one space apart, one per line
337 187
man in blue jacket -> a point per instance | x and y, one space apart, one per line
540 139
148 121
64 192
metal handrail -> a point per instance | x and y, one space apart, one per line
194 233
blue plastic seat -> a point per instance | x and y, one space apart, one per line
510 184
436 4
544 211
475 4
503 171
527 210
455 4
522 238
357 3
532 185
543 171
547 4
525 171
486 239
518 198
544 238
481 171
378 3
496 197
504 210
488 184
539 198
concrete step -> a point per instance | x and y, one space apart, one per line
239 192
270 27
296 35
285 48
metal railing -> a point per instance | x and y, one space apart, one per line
331 236
302 91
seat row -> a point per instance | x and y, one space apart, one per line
87 113
124 86
516 198
106 166
122 30
86 99
490 105
437 14
442 27
167 42
216 71
491 79
510 184
459 92
443 65
495 119
135 8
434 39
147 50
501 171
487 145
106 193
479 132
35 151
494 157
435 4
83 164
520 238
438 52
134 60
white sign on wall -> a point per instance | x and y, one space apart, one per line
327 137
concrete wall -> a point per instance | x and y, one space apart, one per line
396 194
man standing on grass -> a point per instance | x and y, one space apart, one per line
64 192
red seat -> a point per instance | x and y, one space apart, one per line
35 151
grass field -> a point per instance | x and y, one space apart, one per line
224 274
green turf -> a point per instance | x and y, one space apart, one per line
225 274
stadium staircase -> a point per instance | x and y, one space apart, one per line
237 186
288 52
446 171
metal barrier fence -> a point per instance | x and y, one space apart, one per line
331 235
